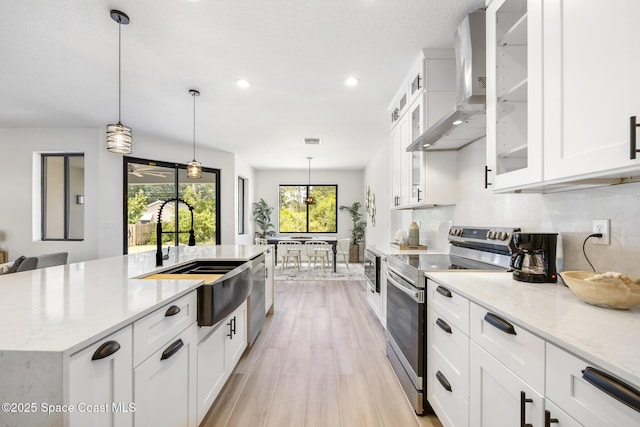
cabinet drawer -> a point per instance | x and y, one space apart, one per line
444 395
449 304
154 330
588 404
452 347
517 348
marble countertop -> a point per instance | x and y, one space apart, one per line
65 308
606 337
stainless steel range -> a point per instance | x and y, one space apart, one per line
472 248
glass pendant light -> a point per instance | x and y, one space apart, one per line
118 135
309 200
194 168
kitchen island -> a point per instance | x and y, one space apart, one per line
48 315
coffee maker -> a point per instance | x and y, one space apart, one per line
534 257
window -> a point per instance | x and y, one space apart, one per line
62 196
148 184
243 198
296 217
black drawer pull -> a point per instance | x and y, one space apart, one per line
443 381
632 138
486 176
231 329
444 325
523 409
106 350
613 387
172 349
172 311
500 323
548 420
443 291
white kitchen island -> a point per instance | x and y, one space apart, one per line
48 315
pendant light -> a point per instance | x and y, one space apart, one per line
309 200
118 135
194 168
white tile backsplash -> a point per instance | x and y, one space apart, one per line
569 213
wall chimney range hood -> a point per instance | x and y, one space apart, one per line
466 123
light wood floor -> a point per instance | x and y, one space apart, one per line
319 361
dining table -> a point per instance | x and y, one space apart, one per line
333 241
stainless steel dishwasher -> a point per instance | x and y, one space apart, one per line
256 309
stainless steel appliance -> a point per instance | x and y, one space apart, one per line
472 248
372 269
255 303
534 259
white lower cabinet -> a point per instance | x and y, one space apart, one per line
165 383
101 382
219 350
499 398
586 391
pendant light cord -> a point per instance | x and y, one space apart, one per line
194 125
119 70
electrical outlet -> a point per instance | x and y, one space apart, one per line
602 226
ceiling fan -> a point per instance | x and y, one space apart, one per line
142 170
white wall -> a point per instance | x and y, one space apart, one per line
569 213
103 231
376 176
349 182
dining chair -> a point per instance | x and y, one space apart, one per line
290 250
261 241
317 250
343 249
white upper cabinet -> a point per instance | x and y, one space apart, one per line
514 93
591 88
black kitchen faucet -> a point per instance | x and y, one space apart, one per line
192 236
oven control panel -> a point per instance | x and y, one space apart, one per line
497 238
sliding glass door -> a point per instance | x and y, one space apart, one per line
150 185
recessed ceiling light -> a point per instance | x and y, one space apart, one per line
457 122
351 81
243 83
426 145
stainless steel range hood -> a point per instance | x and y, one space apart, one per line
467 121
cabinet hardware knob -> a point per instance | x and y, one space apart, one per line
548 420
444 326
443 381
106 350
444 291
523 410
172 311
172 349
499 323
486 176
613 387
632 137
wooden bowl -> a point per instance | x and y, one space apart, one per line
608 292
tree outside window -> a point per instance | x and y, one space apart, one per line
296 217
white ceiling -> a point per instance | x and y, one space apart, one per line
59 69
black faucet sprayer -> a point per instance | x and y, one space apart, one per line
192 236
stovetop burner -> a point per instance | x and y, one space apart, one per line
441 262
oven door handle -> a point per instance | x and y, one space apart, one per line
417 296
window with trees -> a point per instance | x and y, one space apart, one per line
148 184
297 217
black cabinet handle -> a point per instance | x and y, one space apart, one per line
444 325
230 334
443 291
419 191
613 387
486 176
548 420
233 327
443 381
632 137
172 311
106 350
499 323
523 409
172 349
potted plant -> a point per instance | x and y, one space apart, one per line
262 217
357 231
